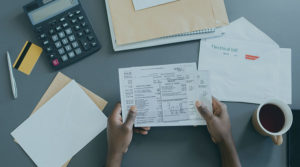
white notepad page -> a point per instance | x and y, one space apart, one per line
61 127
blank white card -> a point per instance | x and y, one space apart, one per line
143 4
61 127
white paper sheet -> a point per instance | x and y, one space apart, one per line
164 95
61 127
245 71
143 4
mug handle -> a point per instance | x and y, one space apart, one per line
277 140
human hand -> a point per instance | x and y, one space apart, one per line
119 134
218 123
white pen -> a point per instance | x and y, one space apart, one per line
12 78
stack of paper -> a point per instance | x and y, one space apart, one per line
61 127
143 23
165 95
246 65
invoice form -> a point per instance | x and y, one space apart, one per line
164 95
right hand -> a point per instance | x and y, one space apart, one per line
119 134
218 123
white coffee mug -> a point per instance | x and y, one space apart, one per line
288 120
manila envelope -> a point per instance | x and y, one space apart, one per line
59 82
168 19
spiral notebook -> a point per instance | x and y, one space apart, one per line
126 36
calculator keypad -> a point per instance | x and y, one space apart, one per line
68 38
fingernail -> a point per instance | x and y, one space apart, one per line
133 108
198 104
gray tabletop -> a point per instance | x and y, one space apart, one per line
174 147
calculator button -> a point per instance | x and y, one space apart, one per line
58 44
65 25
77 28
83 24
48 49
61 51
52 23
68 31
65 41
71 54
75 44
64 58
94 44
85 45
72 38
78 12
51 31
58 28
46 42
55 62
74 21
61 34
78 51
87 31
43 36
62 19
90 37
80 34
80 17
70 15
54 38
68 48
39 29
51 56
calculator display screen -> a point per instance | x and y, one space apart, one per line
50 10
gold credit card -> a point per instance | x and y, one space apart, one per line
28 57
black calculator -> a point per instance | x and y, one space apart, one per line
63 29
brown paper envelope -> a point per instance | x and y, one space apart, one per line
168 19
59 82
220 12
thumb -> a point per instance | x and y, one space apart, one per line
131 117
203 110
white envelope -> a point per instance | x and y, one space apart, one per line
238 77
61 127
242 29
246 37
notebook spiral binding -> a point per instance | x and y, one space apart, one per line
204 31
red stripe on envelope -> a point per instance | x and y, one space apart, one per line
251 57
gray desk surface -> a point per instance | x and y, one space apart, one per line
173 147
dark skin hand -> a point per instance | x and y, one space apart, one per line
119 135
218 125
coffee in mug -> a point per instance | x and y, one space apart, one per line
273 118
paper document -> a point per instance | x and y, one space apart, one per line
143 4
178 17
61 127
244 71
242 29
164 95
246 65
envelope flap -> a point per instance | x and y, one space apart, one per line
59 82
